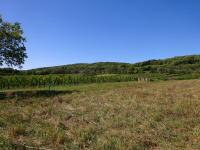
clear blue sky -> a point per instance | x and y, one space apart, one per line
77 31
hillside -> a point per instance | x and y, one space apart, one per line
176 65
83 68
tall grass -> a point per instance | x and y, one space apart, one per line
136 116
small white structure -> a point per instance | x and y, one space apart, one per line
144 79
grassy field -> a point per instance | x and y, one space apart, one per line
110 116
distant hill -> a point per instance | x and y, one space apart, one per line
8 71
94 68
176 65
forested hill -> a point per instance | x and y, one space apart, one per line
176 65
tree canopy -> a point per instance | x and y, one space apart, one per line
12 47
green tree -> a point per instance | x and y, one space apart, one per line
12 48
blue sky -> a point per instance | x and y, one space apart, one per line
77 31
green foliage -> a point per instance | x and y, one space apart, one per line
12 48
84 69
176 65
8 71
23 81
40 81
172 66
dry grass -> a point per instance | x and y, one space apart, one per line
164 115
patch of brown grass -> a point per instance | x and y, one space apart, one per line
162 115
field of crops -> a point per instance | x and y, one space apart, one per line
24 81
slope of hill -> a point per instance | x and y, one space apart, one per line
176 65
83 68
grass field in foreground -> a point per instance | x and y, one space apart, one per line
162 115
